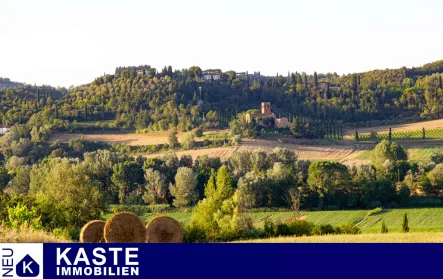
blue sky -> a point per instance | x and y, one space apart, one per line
65 43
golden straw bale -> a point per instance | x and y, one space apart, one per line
92 232
164 229
125 227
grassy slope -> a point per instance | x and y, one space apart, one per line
436 237
422 219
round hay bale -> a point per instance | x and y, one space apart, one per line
92 232
125 227
164 229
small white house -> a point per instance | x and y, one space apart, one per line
4 129
207 75
214 77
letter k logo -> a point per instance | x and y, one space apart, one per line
27 267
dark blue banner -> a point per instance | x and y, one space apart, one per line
242 260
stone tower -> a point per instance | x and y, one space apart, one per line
265 107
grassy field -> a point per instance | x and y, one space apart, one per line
405 135
415 153
417 237
420 219
417 126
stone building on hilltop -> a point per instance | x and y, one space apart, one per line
267 113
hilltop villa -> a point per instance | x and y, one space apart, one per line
266 112
4 129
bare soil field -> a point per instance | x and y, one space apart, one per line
342 153
433 124
129 139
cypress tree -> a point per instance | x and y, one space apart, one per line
247 81
305 80
356 135
276 81
299 79
293 81
390 134
315 80
440 82
384 228
423 133
405 225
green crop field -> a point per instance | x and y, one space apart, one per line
404 135
420 220
415 154
412 237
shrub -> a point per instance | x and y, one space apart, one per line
323 230
374 211
188 141
269 228
172 139
295 227
193 235
301 228
384 228
61 233
235 140
405 223
20 216
282 229
198 132
348 229
437 158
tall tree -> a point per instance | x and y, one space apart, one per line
305 79
327 177
315 80
184 190
127 177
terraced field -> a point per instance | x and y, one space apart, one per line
417 237
428 125
405 135
420 219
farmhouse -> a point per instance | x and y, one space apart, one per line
206 75
267 113
4 129
241 75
